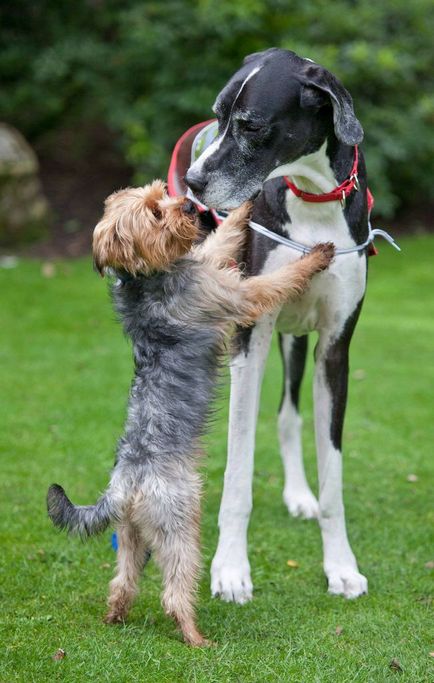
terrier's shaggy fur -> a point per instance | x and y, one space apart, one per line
176 302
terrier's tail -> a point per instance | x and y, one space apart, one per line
85 520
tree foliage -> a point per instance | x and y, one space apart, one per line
148 70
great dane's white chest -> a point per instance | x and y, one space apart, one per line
333 294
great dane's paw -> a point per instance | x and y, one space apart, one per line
347 582
301 504
231 582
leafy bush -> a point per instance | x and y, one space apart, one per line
148 70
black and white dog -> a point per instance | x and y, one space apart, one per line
281 116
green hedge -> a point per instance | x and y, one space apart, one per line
149 69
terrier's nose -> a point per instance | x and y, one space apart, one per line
195 182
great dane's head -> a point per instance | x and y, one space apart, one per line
277 108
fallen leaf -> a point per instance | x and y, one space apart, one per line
395 665
59 654
293 564
429 565
338 630
412 477
359 374
105 565
48 269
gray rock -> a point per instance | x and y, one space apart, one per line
24 211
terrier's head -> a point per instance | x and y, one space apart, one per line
144 230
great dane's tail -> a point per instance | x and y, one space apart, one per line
85 520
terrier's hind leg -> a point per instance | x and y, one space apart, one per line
131 558
179 558
172 522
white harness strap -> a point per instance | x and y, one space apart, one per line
373 233
297 246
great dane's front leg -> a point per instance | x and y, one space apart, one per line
330 394
230 571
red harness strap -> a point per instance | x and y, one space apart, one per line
340 193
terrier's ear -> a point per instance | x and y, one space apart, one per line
154 193
98 250
98 266
113 245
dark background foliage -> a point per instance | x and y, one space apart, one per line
97 82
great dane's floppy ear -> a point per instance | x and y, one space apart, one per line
320 86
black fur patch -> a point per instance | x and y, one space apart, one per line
336 370
294 370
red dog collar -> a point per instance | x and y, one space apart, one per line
340 193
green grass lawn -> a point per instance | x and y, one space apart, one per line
65 374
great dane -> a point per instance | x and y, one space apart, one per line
288 136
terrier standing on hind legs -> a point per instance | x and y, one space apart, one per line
177 303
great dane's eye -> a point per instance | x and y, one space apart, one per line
250 126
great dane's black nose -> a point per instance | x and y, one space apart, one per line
195 181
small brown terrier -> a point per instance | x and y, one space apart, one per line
177 299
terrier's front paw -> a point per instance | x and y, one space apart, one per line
322 255
241 216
